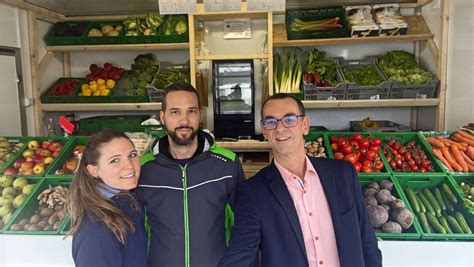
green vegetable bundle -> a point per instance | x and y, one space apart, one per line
167 77
175 25
363 76
148 26
287 71
317 63
142 72
400 66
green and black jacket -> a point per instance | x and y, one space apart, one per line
186 205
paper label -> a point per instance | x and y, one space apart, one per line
177 6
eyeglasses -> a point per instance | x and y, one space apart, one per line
289 121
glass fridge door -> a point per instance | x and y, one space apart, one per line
233 88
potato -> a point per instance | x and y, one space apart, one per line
48 228
16 227
56 225
42 224
46 212
35 227
35 219
53 219
24 221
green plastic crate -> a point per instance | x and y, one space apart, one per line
130 123
66 226
31 180
50 39
317 14
113 97
384 172
45 98
457 179
32 205
66 154
62 140
405 137
432 181
16 140
105 39
412 233
173 38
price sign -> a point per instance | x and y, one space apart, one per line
266 5
221 5
177 6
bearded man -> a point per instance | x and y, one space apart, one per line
185 185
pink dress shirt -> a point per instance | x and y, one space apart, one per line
314 216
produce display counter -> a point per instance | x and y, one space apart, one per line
55 251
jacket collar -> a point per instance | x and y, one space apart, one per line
281 193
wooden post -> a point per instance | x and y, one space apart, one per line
35 82
66 64
443 66
270 54
192 49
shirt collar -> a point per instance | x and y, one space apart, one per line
286 174
107 191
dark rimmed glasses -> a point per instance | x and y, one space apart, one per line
288 121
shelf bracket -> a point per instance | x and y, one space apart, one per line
45 62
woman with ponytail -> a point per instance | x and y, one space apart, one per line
107 222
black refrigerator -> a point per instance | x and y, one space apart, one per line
234 99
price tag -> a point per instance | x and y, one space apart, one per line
177 6
375 97
221 5
266 5
237 29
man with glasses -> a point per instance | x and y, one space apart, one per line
300 211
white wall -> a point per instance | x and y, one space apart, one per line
460 88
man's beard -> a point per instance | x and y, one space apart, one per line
185 141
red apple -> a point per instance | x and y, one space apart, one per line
71 164
28 172
29 159
45 144
38 158
53 146
28 165
56 154
10 171
44 153
17 163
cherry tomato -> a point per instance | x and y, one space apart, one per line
377 141
357 166
356 137
393 165
370 155
364 143
407 155
375 148
379 165
346 149
426 164
350 157
338 155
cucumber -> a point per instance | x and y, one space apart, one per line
462 222
432 200
454 225
449 193
424 223
439 198
449 205
435 223
422 206
429 208
412 199
442 220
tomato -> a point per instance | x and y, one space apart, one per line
426 164
414 168
338 155
356 137
422 169
333 139
375 148
363 151
396 145
364 143
367 163
346 149
354 144
357 166
393 164
341 142
370 155
399 162
377 141
350 157
379 165
357 154
389 158
411 163
334 147
366 169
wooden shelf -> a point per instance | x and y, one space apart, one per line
116 47
245 145
232 56
101 107
432 102
417 31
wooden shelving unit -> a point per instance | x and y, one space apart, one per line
431 102
117 47
101 107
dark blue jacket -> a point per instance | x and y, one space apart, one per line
94 245
185 205
266 219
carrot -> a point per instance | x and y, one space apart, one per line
470 152
444 141
458 157
435 143
451 161
466 135
470 163
439 155
464 139
455 144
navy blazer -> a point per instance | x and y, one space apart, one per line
266 219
